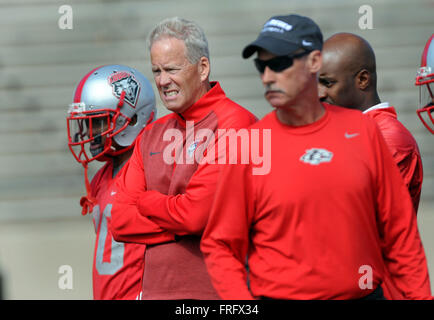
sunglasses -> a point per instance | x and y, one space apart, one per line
279 63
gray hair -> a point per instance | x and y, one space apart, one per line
188 31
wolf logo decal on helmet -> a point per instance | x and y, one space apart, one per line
124 81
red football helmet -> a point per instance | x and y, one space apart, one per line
425 81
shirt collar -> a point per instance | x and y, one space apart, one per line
204 105
382 105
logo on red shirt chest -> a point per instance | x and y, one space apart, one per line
316 156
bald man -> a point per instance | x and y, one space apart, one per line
348 78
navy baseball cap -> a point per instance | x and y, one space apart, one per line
283 35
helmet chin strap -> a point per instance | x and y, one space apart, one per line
113 152
87 202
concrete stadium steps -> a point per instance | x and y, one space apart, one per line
38 164
427 196
37 142
43 186
41 208
105 22
336 11
133 47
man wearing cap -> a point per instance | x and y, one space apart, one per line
333 212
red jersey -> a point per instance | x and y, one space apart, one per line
403 147
324 223
158 199
406 153
117 266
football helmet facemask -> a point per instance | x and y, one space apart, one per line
425 81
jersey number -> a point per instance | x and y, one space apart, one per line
117 248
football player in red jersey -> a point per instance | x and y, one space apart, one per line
332 214
425 81
112 105
348 78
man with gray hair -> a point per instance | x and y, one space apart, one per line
164 196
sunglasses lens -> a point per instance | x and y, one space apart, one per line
260 65
282 63
277 64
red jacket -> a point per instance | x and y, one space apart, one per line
404 149
406 154
158 199
329 218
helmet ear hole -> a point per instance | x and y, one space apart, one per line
133 120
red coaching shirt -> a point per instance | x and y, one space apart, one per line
158 199
331 214
117 266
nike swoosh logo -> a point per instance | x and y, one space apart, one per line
153 153
351 135
306 43
113 193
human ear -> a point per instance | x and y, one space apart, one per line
204 68
363 79
314 61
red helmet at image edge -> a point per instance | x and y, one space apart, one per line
425 82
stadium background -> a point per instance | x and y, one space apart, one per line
41 227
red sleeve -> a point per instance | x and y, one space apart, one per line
412 169
410 166
402 247
188 213
406 154
127 224
225 241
